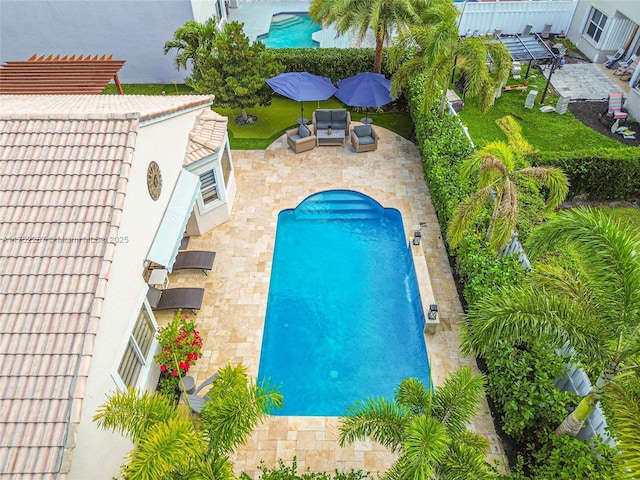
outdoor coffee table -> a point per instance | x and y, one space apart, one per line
336 137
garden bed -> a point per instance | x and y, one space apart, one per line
589 113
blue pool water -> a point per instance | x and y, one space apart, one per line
290 30
344 319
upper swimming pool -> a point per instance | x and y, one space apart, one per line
290 30
344 319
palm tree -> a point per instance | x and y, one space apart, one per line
381 16
192 40
498 166
595 306
431 48
170 444
426 427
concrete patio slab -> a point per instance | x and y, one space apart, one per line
583 81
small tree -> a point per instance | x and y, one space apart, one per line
192 41
234 70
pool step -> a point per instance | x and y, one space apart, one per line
342 205
287 22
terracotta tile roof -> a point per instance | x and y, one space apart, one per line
59 75
148 106
206 137
63 181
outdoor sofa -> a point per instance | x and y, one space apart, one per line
338 119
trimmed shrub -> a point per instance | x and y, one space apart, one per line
335 63
608 174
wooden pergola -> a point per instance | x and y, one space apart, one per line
62 75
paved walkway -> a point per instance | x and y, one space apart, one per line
584 81
232 317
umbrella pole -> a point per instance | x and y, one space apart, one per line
302 120
366 120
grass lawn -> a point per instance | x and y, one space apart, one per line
626 216
272 120
545 131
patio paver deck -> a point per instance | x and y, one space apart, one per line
232 317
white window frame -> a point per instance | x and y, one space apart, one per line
146 363
211 165
598 26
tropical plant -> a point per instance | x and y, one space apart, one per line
180 345
594 305
623 414
290 472
235 70
192 41
431 45
426 427
169 444
500 167
381 16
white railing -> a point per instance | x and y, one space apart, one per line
511 17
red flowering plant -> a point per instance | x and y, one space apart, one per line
180 347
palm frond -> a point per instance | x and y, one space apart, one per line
426 443
455 403
379 419
606 250
132 412
465 463
554 179
165 449
504 223
413 395
465 215
625 404
518 314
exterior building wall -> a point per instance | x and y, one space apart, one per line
131 30
621 30
164 142
202 221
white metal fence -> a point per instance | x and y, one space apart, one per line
511 17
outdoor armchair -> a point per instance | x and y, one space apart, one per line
364 138
300 140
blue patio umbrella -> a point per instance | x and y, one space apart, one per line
365 90
302 87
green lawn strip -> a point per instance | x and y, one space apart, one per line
545 131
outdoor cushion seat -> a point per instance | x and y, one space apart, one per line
195 260
339 119
301 142
175 298
364 138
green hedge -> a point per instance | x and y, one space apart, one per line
335 63
608 174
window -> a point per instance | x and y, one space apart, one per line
596 24
209 187
138 348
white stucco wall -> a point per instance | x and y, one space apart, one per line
131 30
99 454
619 31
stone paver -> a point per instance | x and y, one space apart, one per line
232 317
583 81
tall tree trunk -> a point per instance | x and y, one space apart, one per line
377 59
573 422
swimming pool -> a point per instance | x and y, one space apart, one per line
344 319
290 30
